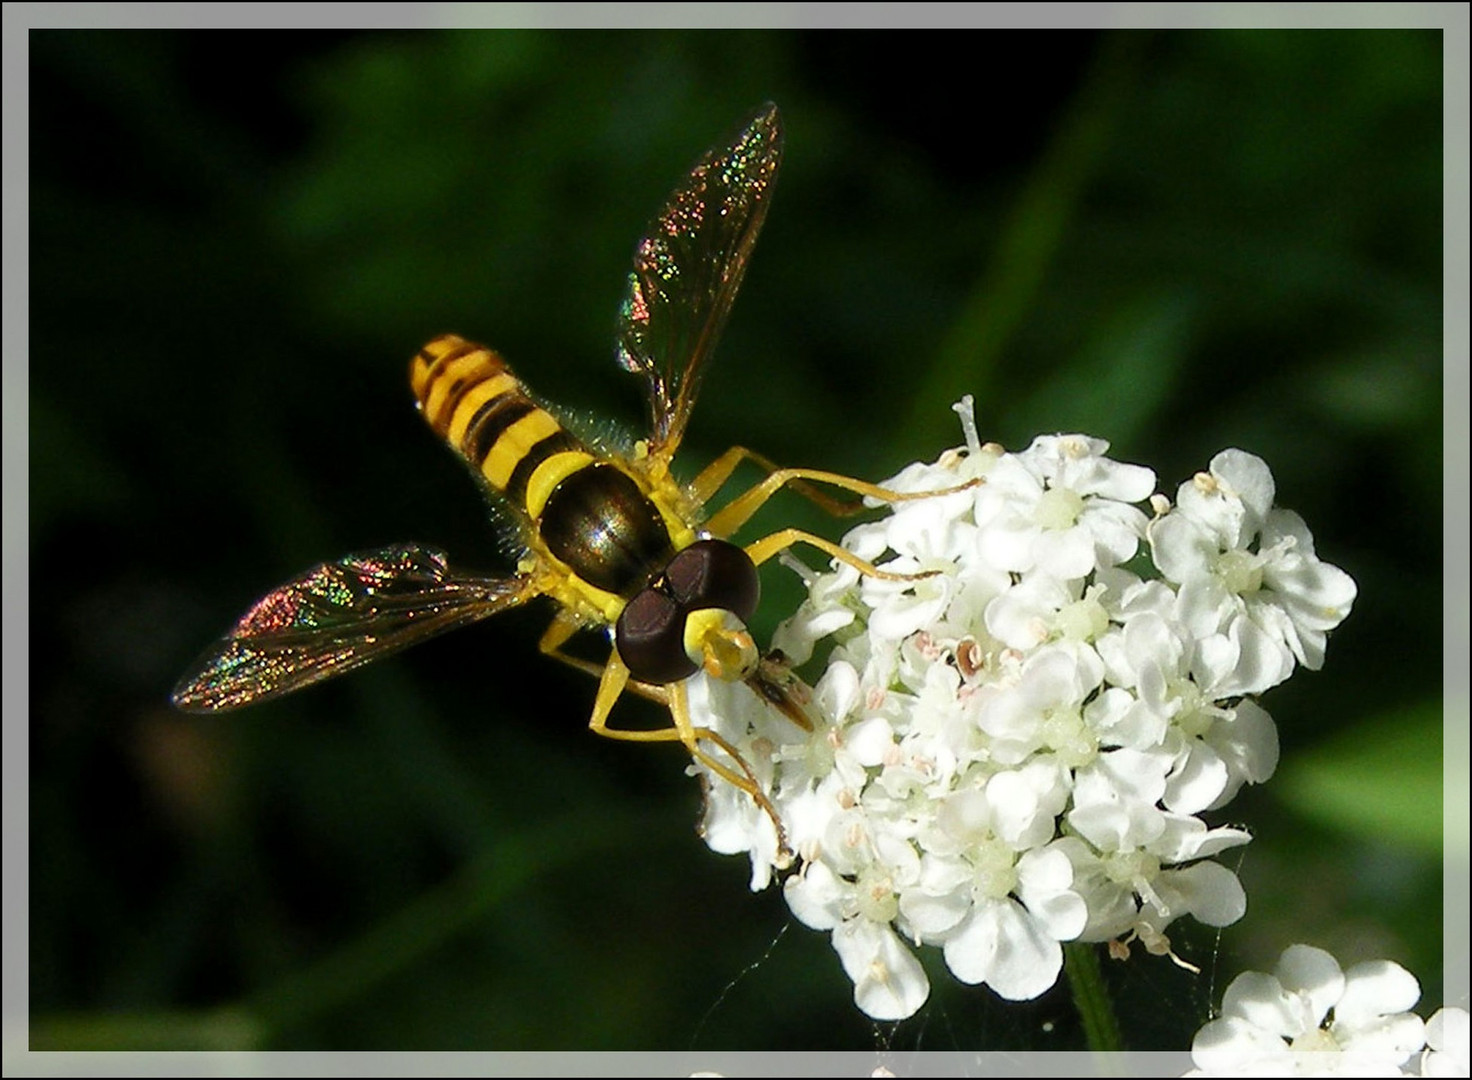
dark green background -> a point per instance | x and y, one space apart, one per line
1179 242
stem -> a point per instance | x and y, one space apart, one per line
1101 1029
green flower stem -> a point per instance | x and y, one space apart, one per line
1086 981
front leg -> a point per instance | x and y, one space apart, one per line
681 730
740 509
562 628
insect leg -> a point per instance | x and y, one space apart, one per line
682 730
761 550
611 686
736 512
714 476
562 628
680 711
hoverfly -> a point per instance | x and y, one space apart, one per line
610 535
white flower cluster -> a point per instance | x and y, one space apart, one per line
1015 751
1310 1018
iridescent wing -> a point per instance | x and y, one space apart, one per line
688 268
340 616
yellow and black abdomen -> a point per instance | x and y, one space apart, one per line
469 396
586 508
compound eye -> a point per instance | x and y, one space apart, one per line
714 574
650 635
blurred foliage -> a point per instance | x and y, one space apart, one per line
1180 242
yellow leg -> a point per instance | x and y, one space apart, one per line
683 730
746 781
714 476
739 510
759 551
613 679
562 628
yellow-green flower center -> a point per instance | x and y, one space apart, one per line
1059 508
1131 867
995 868
1064 731
876 898
1240 572
1318 1040
1083 620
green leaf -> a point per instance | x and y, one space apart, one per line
1382 777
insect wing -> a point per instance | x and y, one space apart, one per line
339 616
688 268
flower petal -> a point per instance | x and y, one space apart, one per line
889 983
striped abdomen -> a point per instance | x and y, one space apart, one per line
587 509
469 396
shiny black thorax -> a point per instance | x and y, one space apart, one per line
606 530
601 524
